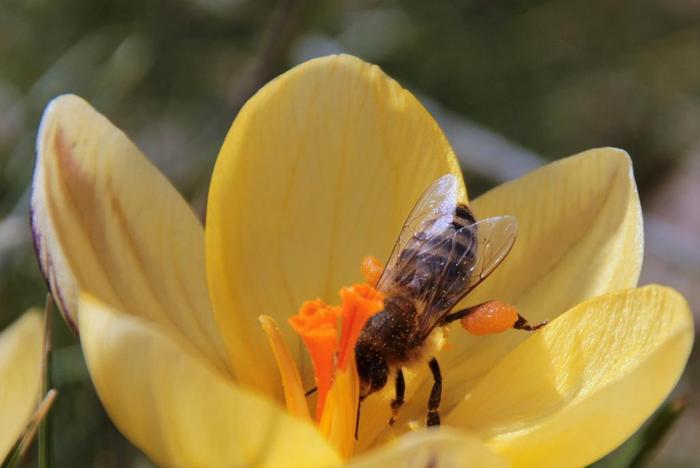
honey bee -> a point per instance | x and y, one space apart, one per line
441 254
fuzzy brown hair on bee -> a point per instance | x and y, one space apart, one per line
441 254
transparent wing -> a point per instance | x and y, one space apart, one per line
442 253
428 218
490 240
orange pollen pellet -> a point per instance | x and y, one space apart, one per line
372 270
489 318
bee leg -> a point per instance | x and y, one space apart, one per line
491 317
460 314
435 395
398 401
522 324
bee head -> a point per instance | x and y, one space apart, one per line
371 367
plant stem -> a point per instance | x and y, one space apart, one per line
26 439
45 435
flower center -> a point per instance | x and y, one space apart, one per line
329 334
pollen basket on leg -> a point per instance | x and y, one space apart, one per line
489 318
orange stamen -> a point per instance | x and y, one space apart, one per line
317 325
489 318
359 303
372 270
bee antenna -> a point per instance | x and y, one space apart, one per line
357 417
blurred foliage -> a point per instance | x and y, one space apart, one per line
556 76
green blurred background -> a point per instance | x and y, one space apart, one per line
514 84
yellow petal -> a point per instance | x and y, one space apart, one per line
320 168
434 448
580 235
340 410
580 386
180 412
20 377
106 221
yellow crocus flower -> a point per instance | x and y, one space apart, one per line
320 169
20 377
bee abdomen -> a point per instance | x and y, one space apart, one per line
463 216
444 257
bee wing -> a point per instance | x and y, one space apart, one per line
428 218
495 237
442 253
475 250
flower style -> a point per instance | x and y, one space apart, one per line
320 169
20 377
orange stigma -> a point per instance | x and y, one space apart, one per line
359 303
330 334
372 270
317 324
